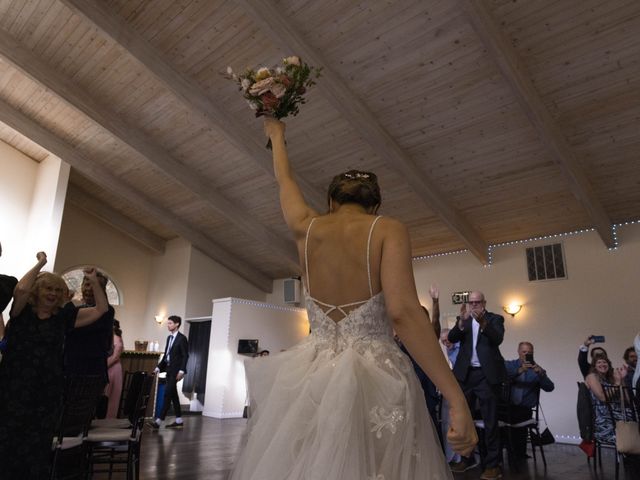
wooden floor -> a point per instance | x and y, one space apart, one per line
206 449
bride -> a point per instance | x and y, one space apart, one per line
345 402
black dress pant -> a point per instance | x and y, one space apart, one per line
518 436
477 387
171 396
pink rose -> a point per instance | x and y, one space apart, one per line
269 100
262 86
284 80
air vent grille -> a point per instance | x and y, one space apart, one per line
546 262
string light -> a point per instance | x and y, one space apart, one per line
443 254
255 303
490 248
614 232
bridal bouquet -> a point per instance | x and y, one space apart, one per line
277 91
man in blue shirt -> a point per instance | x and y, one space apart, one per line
452 349
527 378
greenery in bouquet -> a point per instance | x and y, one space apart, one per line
276 91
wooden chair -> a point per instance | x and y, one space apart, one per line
532 424
504 416
69 453
133 382
118 446
613 398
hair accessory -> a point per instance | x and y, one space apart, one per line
355 175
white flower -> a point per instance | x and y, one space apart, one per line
253 105
229 71
293 60
246 83
278 90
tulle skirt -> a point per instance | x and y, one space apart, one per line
317 415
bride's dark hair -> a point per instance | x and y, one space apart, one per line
355 186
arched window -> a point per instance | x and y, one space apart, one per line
74 277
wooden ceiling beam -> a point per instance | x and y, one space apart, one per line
513 70
16 120
90 204
185 89
362 120
102 115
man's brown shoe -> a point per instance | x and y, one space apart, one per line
492 473
175 425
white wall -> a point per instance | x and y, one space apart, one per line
47 206
208 280
597 298
87 240
31 205
17 185
276 327
167 289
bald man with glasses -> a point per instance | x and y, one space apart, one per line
480 370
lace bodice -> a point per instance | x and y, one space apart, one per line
366 330
365 323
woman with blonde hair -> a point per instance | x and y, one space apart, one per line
345 402
31 373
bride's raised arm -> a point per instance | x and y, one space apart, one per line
295 209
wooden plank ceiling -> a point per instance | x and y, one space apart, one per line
486 121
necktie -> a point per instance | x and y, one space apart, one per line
170 340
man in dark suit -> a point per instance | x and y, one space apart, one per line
174 362
480 370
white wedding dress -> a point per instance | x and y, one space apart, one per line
343 404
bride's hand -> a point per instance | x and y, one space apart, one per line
462 434
273 127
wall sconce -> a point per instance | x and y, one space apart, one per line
512 309
159 319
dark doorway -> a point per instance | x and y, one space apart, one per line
195 380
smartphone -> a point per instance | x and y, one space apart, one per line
528 358
597 338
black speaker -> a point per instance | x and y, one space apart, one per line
247 347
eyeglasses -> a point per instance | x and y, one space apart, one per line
475 302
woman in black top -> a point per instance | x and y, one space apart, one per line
31 373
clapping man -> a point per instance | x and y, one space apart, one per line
480 370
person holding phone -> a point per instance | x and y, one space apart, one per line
527 378
583 362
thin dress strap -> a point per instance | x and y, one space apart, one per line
306 256
340 308
368 251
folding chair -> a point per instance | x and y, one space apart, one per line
117 446
534 428
504 416
612 394
81 394
133 386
